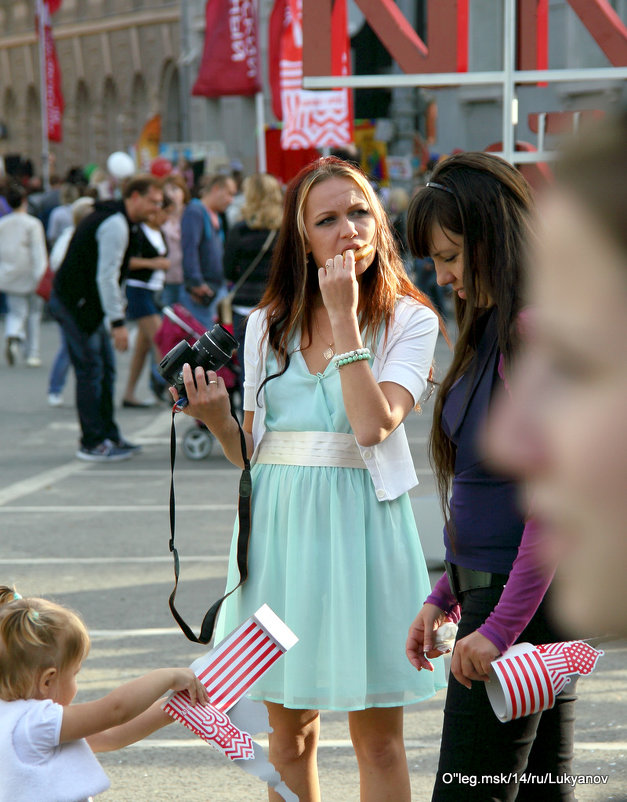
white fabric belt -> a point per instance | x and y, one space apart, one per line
330 449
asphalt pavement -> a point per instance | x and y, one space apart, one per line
95 537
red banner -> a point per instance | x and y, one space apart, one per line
230 59
310 118
54 95
279 19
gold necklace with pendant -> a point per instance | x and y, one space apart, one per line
328 353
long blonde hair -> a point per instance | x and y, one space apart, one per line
263 201
35 634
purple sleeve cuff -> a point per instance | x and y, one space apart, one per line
528 582
442 597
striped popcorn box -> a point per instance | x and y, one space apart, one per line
526 679
228 671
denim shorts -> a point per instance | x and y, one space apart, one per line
141 302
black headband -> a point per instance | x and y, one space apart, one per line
440 186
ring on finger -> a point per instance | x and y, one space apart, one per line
212 381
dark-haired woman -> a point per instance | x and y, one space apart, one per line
147 266
336 356
472 220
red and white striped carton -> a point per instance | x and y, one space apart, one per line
228 671
526 679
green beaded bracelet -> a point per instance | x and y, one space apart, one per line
357 358
351 356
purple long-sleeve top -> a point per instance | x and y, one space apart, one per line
487 530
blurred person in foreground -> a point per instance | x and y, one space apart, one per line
564 429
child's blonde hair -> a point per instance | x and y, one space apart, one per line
35 634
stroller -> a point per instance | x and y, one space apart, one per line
179 324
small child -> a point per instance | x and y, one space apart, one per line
45 741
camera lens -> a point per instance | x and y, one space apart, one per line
214 348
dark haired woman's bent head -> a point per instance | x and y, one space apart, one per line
472 219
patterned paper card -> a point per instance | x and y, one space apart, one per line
228 671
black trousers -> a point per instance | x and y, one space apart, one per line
483 759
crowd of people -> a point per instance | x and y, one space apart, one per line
204 243
338 348
120 252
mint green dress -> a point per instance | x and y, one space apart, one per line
344 571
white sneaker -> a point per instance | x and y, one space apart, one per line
13 348
55 400
33 362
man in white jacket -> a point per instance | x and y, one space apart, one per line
23 259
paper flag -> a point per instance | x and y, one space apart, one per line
228 671
526 679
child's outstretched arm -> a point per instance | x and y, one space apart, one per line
134 730
127 702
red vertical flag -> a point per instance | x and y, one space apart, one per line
230 59
54 96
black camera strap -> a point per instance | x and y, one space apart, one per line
243 510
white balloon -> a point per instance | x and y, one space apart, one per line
120 165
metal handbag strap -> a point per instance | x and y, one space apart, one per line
243 537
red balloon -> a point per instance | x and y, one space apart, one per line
161 167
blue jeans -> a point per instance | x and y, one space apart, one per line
60 367
206 315
94 365
171 294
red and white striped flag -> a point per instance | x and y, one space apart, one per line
527 683
526 679
228 671
310 118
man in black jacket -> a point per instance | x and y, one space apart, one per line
88 303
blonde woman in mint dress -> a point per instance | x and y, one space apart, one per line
337 354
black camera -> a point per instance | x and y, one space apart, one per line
212 351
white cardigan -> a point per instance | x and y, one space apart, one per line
405 358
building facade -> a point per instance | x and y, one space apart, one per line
124 61
118 61
470 118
